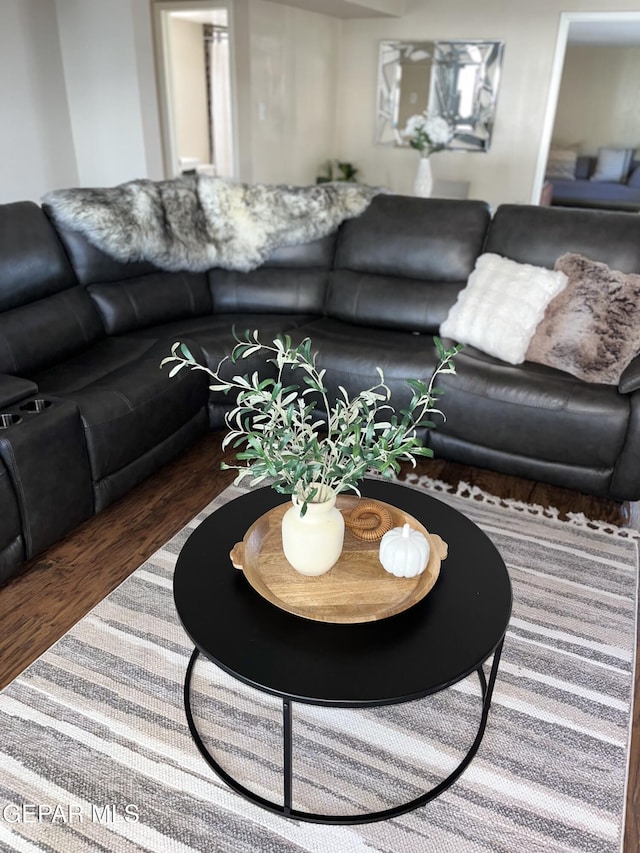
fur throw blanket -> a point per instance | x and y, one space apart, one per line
196 222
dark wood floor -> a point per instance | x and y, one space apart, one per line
59 587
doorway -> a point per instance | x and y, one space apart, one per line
195 77
613 28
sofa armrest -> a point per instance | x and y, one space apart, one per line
45 452
14 388
630 379
623 485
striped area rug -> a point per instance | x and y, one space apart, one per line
95 753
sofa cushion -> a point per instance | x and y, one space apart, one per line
317 254
135 303
33 263
351 354
388 302
592 328
500 307
538 235
425 239
269 291
89 263
532 411
561 163
214 335
127 402
292 280
612 164
401 263
634 179
47 330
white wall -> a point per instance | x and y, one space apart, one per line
98 122
529 30
36 149
188 79
147 87
599 99
294 58
285 63
78 103
101 56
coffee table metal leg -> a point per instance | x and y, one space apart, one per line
221 772
287 810
287 750
487 693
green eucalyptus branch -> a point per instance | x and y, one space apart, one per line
280 434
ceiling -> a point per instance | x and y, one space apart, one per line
218 17
334 8
350 8
620 32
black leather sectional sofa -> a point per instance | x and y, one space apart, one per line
86 412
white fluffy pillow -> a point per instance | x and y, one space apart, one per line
500 307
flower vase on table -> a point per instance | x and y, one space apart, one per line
426 134
312 542
423 184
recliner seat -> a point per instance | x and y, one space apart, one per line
534 421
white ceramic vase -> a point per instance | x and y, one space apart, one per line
423 184
312 542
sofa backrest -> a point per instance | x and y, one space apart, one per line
137 295
294 279
33 264
44 314
134 295
159 297
401 263
539 235
89 263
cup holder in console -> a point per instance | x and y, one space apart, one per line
38 405
8 419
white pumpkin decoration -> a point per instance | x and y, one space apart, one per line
404 552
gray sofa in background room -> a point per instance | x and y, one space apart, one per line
581 191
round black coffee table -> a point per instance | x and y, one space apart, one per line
445 637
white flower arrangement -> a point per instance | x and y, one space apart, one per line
427 134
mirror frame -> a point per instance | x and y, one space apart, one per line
446 62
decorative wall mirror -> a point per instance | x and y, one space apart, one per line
457 80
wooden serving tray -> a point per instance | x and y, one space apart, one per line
355 589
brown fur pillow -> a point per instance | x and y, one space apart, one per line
592 328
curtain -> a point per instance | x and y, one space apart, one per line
222 136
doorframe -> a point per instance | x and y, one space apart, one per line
161 10
566 19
